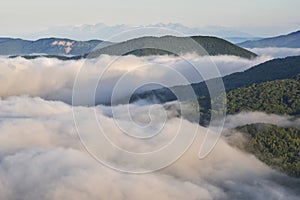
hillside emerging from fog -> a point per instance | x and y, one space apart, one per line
38 110
274 97
145 46
280 97
276 69
273 88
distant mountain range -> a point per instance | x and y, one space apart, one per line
291 40
66 48
104 32
60 47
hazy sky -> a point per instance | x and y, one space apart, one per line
258 17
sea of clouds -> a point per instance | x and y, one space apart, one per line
53 79
42 157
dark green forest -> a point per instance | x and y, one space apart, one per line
276 146
277 97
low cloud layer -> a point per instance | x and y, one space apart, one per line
42 158
276 52
54 79
244 118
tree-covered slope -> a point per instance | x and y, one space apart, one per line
278 97
271 70
276 146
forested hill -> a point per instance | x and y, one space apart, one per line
271 70
277 97
147 46
276 146
274 97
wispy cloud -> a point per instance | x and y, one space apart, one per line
244 118
276 52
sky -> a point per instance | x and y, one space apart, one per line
257 17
